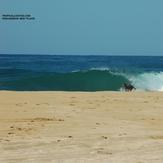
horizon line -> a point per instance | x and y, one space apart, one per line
116 55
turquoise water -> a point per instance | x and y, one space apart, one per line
79 73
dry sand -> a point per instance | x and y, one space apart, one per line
111 127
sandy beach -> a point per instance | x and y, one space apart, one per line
114 127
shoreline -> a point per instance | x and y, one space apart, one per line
111 91
60 126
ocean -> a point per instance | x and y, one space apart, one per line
80 73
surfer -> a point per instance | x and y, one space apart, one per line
129 87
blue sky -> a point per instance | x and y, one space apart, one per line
114 27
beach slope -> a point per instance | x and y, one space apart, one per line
116 127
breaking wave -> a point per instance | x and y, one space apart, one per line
94 79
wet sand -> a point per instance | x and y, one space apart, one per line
114 127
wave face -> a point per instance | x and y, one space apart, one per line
92 80
80 73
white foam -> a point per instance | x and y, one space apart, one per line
100 68
151 81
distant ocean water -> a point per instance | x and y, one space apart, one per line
79 73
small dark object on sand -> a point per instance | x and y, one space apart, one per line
129 87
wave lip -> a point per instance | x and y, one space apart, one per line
100 68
